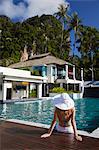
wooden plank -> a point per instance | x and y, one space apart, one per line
21 137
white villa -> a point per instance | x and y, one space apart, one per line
50 71
16 84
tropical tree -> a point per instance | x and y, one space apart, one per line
66 46
64 18
75 25
89 47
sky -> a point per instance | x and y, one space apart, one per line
19 10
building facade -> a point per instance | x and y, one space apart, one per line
59 72
18 84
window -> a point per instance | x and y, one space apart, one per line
53 71
39 71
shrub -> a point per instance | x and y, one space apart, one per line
58 90
33 93
62 90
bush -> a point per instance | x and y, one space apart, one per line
62 90
58 90
33 93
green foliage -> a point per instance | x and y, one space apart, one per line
58 90
89 50
44 31
33 94
62 90
47 34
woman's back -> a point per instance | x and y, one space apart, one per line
64 117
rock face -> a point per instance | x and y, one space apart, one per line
24 54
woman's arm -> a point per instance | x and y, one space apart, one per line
79 138
51 127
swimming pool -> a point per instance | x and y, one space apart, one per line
41 111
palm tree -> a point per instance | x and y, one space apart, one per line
63 17
89 46
75 25
66 44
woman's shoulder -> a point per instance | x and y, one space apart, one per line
59 110
64 112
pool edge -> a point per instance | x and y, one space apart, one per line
40 125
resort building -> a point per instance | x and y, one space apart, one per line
18 84
58 72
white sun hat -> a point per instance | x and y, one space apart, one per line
63 101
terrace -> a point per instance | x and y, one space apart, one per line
15 136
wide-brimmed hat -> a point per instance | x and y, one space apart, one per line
63 101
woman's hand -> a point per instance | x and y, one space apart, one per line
78 138
45 135
51 127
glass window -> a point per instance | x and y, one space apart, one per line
70 72
39 71
53 71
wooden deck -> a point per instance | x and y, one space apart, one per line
21 137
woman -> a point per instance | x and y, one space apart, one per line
65 113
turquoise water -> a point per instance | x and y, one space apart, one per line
87 112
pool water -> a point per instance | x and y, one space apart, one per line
41 111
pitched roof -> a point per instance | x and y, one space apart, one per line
42 59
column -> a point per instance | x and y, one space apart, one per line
74 72
74 77
80 87
66 77
4 91
55 73
47 92
39 90
44 89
